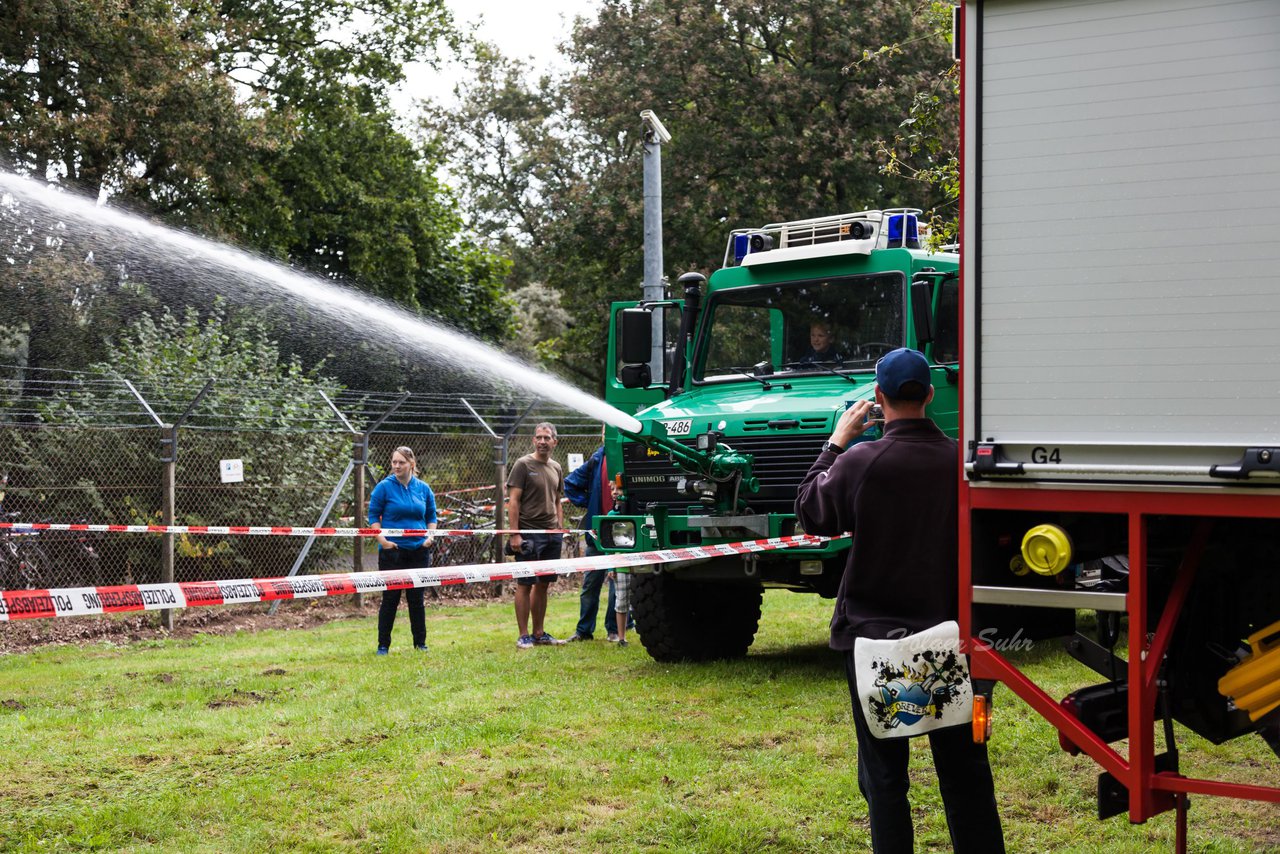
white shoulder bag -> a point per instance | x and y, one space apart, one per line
915 684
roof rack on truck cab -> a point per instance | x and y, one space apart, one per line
843 234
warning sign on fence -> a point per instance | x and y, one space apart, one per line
232 471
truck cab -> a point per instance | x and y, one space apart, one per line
767 354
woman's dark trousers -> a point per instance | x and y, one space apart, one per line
403 559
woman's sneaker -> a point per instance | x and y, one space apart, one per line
525 642
545 639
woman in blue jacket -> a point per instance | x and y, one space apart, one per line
401 500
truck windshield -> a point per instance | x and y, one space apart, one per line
843 323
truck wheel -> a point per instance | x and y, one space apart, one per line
682 620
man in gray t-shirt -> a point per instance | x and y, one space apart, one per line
534 489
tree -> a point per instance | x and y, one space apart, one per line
506 139
542 322
348 197
57 305
161 103
925 147
105 96
771 120
261 122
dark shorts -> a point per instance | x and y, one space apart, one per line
539 547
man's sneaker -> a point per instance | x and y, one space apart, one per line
382 650
613 637
575 637
525 642
622 642
420 646
545 639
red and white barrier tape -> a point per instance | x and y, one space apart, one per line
266 530
84 601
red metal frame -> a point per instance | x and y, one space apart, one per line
1150 792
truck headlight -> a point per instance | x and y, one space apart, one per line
622 534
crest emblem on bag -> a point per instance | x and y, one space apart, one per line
912 685
922 687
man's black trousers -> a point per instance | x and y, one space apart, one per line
964 776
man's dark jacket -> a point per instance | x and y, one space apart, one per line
898 496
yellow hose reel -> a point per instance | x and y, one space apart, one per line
1046 550
1254 684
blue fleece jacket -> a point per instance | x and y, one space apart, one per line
582 486
396 505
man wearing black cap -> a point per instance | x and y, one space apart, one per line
898 496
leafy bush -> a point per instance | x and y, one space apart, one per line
77 461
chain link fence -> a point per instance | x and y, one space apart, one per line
79 447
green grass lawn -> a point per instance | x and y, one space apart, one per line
304 740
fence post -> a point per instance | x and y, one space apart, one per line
360 457
168 483
334 495
501 450
499 495
168 511
171 478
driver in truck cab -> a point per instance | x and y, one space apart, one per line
822 344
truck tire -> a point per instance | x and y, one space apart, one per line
681 620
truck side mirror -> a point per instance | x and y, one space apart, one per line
922 311
636 335
635 376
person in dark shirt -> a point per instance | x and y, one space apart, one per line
898 496
588 486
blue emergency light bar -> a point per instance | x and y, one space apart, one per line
843 234
903 231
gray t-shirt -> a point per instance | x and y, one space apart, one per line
541 487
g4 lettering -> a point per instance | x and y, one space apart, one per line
1046 455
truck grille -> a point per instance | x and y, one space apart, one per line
781 462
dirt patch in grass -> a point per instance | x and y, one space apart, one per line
238 698
22 635
19 636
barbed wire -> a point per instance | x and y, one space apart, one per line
59 398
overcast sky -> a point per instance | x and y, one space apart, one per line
522 29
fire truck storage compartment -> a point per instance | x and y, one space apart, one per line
997 542
1119 224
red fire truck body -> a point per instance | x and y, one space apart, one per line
1120 397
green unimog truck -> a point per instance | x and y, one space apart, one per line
757 363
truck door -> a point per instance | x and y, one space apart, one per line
631 400
944 351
